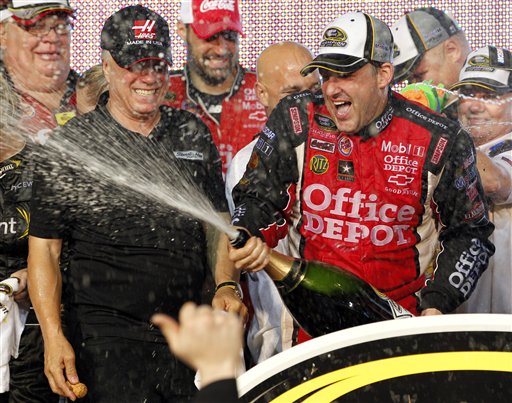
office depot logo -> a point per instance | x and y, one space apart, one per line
144 29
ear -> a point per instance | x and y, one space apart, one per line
261 93
181 29
385 75
106 67
453 51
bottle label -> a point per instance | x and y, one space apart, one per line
398 311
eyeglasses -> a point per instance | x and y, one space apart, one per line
43 27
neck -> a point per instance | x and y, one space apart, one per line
202 86
142 123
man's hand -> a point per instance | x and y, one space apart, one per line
59 365
254 256
208 340
21 296
226 299
430 312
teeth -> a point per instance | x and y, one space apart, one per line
145 92
340 103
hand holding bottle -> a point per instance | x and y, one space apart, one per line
253 256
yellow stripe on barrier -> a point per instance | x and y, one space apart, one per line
343 381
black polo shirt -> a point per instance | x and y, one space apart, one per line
131 254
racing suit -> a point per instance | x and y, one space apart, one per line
375 203
242 114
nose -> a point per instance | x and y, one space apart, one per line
476 105
221 44
331 87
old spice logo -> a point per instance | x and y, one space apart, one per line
439 150
144 29
211 5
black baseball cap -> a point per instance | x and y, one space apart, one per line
134 34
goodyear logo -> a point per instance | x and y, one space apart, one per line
318 164
479 61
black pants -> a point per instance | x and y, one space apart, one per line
122 370
28 382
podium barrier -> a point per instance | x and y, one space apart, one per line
448 358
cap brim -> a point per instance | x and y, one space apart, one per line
404 70
336 63
486 84
205 30
130 55
30 15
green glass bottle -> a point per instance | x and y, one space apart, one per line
324 298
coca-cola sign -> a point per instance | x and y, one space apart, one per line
212 5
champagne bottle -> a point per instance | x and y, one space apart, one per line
324 298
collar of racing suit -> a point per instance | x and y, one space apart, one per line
380 122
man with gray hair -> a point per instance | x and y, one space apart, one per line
429 45
130 258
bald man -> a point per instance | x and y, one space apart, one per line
278 71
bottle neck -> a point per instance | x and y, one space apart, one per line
286 270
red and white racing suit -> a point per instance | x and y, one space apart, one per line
242 115
384 204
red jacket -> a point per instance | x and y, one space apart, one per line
242 116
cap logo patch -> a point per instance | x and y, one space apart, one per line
144 29
479 61
334 37
211 5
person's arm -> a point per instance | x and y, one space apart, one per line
496 179
460 205
209 341
225 298
45 286
264 197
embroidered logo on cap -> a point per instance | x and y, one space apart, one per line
144 29
211 5
334 37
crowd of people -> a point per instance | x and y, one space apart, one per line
315 156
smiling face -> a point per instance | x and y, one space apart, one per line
37 57
137 92
486 115
214 60
356 99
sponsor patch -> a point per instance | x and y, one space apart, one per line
346 170
295 116
325 122
345 146
319 164
10 166
144 29
189 155
334 37
477 211
322 145
400 180
472 191
269 134
401 148
439 150
264 147
259 116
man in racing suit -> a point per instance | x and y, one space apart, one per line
368 179
213 85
